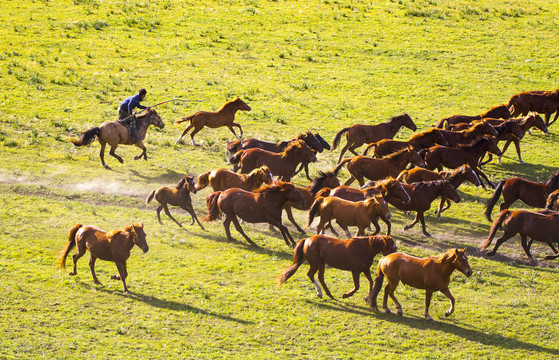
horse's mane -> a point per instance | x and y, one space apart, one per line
398 117
424 184
319 181
293 144
253 172
144 113
398 153
276 186
448 255
553 179
423 133
129 228
493 109
384 182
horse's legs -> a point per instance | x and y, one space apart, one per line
355 283
409 226
184 133
344 228
447 293
329 226
504 149
143 154
481 175
196 131
166 209
517 146
555 118
525 246
121 266
349 181
240 230
310 274
230 127
367 273
374 221
102 154
428 295
344 149
190 210
80 251
389 291
422 219
113 154
159 208
441 208
500 241
227 225
322 282
289 213
92 268
284 232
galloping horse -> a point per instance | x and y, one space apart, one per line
422 140
361 167
359 134
499 112
470 135
180 196
223 179
114 247
263 205
532 193
432 274
355 255
115 133
214 119
543 102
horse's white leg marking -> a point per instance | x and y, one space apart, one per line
318 289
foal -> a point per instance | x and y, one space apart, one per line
223 179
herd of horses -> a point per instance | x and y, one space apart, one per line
400 173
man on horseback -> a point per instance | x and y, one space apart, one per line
126 107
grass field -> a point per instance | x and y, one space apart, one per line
317 65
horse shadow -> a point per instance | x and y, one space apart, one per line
169 176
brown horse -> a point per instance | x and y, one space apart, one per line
180 196
543 102
422 140
552 202
531 193
470 135
499 112
359 134
223 179
355 255
115 133
422 195
114 247
281 164
361 167
262 205
348 213
432 274
455 177
528 224
214 119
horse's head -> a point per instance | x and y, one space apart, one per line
323 142
389 246
414 158
460 261
537 121
311 141
449 191
486 128
303 152
264 174
187 182
395 189
324 180
240 104
552 202
292 193
408 122
438 138
470 174
140 237
376 205
492 146
153 118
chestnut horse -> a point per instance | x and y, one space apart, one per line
262 205
359 134
422 140
552 202
528 224
355 255
531 193
223 179
422 195
432 274
499 112
180 196
361 167
115 133
348 213
114 246
543 102
470 135
214 119
281 164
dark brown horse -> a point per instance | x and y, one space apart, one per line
552 202
180 196
359 134
422 140
115 133
499 112
114 246
355 255
361 167
432 274
263 205
470 135
214 119
223 179
531 193
543 102
281 164
422 195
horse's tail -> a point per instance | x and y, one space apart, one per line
233 146
150 197
324 192
373 146
510 104
71 243
235 158
372 298
496 226
423 153
402 176
440 124
186 118
298 259
493 200
86 137
315 207
203 180
340 165
214 211
337 138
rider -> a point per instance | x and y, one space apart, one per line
126 107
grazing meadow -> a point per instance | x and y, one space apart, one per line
300 65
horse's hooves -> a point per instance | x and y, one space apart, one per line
428 318
72 273
446 313
400 313
345 296
107 167
491 253
319 295
387 311
427 234
115 277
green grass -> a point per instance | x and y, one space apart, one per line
317 65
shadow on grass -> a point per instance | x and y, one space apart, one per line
169 176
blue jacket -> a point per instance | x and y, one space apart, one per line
131 103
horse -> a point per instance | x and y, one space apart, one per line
214 119
418 141
223 179
531 193
552 202
348 213
115 133
543 102
438 156
281 164
361 167
358 134
180 196
431 273
355 255
455 177
537 226
470 135
499 111
114 246
262 205
422 195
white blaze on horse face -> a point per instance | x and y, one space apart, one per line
318 289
